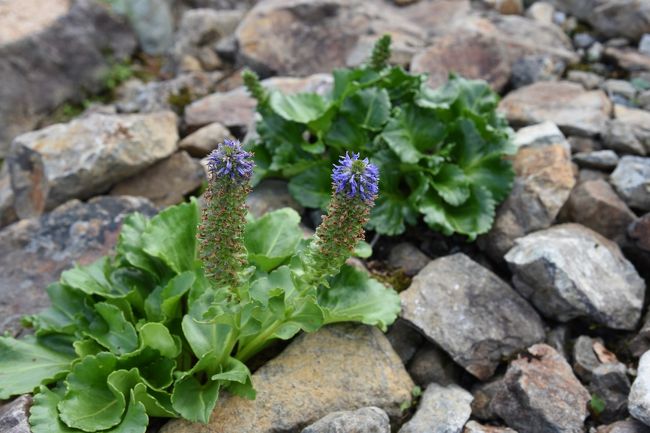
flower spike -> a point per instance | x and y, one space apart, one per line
230 160
356 178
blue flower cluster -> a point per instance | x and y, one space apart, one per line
356 177
231 160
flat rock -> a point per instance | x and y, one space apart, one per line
541 394
626 426
544 180
474 427
596 205
55 55
574 109
470 313
570 271
85 157
639 399
442 409
166 182
598 159
72 233
632 181
364 420
14 416
203 141
342 367
236 108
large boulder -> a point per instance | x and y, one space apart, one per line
639 399
66 52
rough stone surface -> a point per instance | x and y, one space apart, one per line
626 426
307 381
596 205
585 360
282 36
84 157
530 69
442 409
619 87
270 195
570 271
541 394
620 136
408 258
470 313
484 392
14 416
598 159
20 18
544 179
405 339
637 120
589 80
639 398
611 384
165 183
203 141
73 233
364 420
541 11
430 364
573 109
639 232
632 181
7 211
628 59
474 427
55 63
152 21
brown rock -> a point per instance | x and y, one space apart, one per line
628 59
637 120
474 427
165 183
626 426
437 17
639 232
509 7
573 109
541 394
7 211
484 393
14 416
596 205
20 18
201 142
342 367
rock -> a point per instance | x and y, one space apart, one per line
281 36
165 183
583 40
638 120
14 416
474 427
152 21
442 409
7 211
610 383
408 258
587 175
85 157
404 339
437 17
644 44
639 232
236 109
483 394
620 136
573 109
628 59
632 181
639 398
541 11
585 360
594 204
589 80
53 60
541 394
644 100
558 338
203 141
364 420
470 313
570 271
544 179
599 159
306 382
72 233
270 195
583 144
431 365
626 426
509 7
619 87
611 18
530 69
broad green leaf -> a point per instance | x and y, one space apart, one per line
156 371
452 185
233 371
171 236
44 415
87 347
156 403
164 303
25 364
195 397
111 329
91 279
205 337
158 337
279 278
362 250
273 238
354 296
312 188
345 135
130 245
369 108
62 316
299 107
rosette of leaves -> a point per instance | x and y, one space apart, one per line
440 152
144 333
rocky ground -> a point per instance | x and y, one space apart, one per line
538 327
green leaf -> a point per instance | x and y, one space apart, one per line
355 297
363 250
43 414
92 279
62 316
299 107
368 108
195 398
345 135
164 303
281 278
158 337
451 184
111 329
25 364
312 188
597 404
171 236
156 403
130 245
205 337
273 238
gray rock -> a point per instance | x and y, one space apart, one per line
629 59
72 233
558 339
307 382
641 342
152 21
474 427
60 62
408 258
598 159
404 339
611 384
570 271
638 120
589 80
644 100
632 181
203 141
583 144
626 426
541 11
573 109
620 136
483 393
644 44
430 364
586 175
530 69
583 40
166 182
639 232
639 398
442 409
541 394
85 157
619 87
270 195
7 211
14 416
364 420
470 313
585 360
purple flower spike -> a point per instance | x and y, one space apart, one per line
356 177
230 160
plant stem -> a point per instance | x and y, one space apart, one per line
256 344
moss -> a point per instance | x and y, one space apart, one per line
180 100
